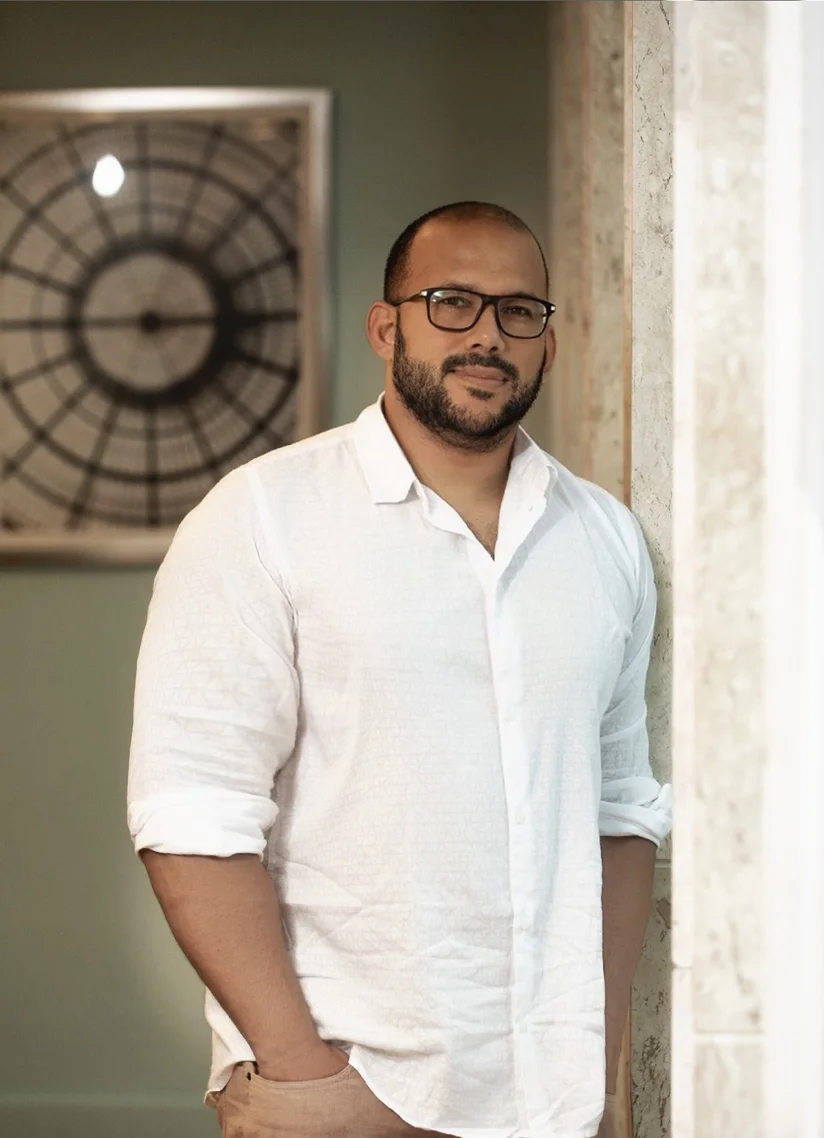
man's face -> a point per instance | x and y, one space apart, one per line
469 387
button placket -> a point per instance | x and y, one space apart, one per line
515 771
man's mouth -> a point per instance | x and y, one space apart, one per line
483 376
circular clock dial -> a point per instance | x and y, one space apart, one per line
142 336
149 338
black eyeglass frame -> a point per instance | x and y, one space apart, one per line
486 299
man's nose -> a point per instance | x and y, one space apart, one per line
485 335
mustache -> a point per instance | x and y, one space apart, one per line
471 359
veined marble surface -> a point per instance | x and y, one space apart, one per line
649 111
719 696
651 1050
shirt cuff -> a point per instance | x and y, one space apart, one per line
218 825
636 807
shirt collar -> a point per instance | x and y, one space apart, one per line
390 476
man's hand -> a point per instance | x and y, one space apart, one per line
323 1061
609 1127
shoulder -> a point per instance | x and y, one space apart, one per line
611 525
618 516
324 455
284 473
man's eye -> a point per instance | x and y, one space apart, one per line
451 301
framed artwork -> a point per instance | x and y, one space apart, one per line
164 305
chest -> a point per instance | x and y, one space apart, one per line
484 525
403 613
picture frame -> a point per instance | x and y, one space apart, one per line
164 305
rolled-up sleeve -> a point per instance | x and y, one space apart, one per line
216 691
633 802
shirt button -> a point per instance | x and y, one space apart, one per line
520 818
523 926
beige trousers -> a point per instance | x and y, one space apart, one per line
339 1106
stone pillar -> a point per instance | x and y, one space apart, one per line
648 189
719 716
793 798
586 250
748 863
610 255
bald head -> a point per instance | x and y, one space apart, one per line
459 216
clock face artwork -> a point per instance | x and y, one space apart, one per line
149 313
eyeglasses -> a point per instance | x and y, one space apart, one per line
459 309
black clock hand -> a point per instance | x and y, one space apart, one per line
149 321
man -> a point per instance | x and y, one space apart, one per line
390 726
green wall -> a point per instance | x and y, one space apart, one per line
102 1017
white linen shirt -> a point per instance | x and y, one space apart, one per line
423 744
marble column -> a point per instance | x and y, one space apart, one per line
648 262
719 718
586 427
610 252
748 1042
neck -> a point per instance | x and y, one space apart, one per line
452 472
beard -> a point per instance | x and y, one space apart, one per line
423 392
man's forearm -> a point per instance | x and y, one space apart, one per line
628 866
224 914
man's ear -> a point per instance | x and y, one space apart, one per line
381 322
551 348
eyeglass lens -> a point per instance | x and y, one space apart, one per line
454 310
